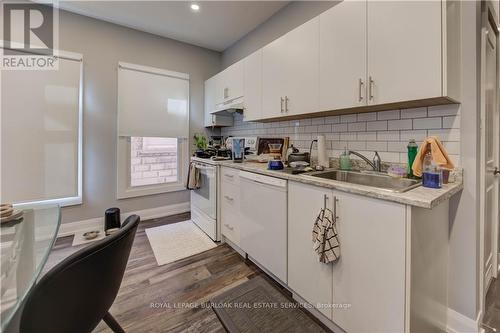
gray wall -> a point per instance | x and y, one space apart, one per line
103 45
288 18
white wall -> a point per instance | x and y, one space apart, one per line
463 292
103 45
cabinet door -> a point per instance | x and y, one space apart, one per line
404 50
309 278
229 83
234 81
209 101
252 79
342 56
230 207
370 274
274 78
302 69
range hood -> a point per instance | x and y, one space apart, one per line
230 106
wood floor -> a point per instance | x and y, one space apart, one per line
167 298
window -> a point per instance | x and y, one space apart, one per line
153 126
41 134
153 161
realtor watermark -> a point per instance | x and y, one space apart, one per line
30 36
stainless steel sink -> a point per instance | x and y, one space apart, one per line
380 181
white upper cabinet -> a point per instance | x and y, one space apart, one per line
252 84
209 100
229 83
274 78
214 120
290 72
404 50
342 56
302 53
356 54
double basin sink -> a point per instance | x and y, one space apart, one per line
377 180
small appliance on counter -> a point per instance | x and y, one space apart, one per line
275 151
238 150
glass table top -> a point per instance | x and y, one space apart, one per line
25 245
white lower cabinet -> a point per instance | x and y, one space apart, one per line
230 205
369 278
392 271
370 274
307 277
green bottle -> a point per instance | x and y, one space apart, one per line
345 162
412 152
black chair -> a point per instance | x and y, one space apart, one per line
77 293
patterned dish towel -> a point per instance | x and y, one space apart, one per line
325 238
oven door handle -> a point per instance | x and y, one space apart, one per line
198 166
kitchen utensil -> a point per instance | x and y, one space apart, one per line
238 150
298 157
275 148
275 165
298 164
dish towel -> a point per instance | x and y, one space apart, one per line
193 178
325 237
439 155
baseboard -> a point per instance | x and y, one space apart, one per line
68 229
458 323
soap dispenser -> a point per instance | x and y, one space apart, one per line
345 161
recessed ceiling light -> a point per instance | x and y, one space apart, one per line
195 7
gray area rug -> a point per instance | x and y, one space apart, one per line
257 306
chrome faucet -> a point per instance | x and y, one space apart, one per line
376 164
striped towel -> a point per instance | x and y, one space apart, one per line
325 237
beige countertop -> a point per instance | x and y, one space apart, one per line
418 197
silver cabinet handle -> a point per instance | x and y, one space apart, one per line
229 176
226 93
370 88
281 104
228 198
360 91
335 200
230 228
325 198
286 103
213 119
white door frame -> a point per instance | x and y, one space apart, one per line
488 16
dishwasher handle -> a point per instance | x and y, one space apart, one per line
261 179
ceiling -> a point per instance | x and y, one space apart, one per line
217 25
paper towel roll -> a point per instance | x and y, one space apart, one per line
322 157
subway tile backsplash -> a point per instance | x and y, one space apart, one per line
387 132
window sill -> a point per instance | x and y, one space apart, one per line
62 202
133 192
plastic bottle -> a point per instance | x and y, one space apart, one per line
412 152
431 173
345 162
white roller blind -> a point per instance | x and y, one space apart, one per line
40 127
152 102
